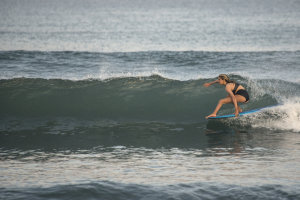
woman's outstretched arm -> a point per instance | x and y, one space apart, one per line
210 83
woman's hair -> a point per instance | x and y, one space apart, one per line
226 78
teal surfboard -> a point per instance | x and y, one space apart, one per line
242 113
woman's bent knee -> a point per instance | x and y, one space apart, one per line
224 101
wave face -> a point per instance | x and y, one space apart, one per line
147 86
143 98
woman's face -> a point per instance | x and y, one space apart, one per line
221 81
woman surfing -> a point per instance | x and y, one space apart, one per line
236 94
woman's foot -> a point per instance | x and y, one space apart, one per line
211 115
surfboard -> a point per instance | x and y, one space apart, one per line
242 113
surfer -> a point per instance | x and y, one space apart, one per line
236 94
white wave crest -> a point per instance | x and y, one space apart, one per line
283 117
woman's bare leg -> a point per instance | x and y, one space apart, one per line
239 99
220 104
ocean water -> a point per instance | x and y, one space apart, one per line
105 99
